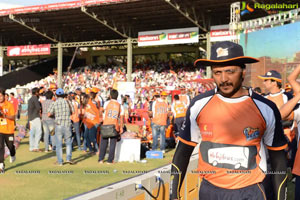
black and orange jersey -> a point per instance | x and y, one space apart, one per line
233 134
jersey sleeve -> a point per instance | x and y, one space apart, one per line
190 131
273 136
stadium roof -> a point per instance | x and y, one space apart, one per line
94 20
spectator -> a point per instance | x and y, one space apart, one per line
113 112
159 121
179 112
48 122
75 120
20 102
15 102
91 120
62 110
34 110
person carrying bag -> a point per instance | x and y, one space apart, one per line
112 126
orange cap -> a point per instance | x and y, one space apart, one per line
52 86
95 90
164 93
88 90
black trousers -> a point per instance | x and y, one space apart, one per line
112 148
209 191
178 123
9 140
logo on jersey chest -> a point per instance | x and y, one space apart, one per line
251 133
206 129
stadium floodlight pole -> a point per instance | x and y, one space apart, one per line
59 64
22 22
129 59
103 22
185 14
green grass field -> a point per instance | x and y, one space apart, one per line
34 175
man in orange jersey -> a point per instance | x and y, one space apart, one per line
233 125
159 121
7 129
179 110
14 101
113 115
273 83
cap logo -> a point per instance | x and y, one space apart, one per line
269 74
222 52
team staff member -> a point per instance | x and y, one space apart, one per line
179 110
91 120
113 115
234 125
7 129
159 121
272 82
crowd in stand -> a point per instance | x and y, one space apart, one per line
84 104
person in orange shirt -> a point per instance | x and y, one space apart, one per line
91 120
7 129
159 112
179 111
14 101
234 126
113 115
273 82
75 119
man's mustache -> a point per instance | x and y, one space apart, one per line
225 84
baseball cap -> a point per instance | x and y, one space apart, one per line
225 54
59 91
272 75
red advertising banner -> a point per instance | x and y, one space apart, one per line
29 50
55 6
222 35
